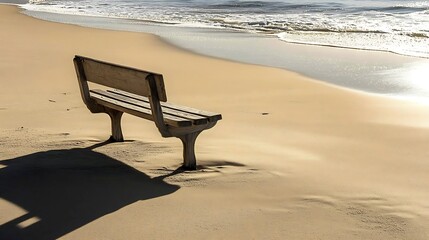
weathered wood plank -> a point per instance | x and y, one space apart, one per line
196 119
138 111
125 78
212 117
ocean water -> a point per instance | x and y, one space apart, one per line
400 27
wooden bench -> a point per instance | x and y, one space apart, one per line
141 94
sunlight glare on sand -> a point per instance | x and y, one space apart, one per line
417 75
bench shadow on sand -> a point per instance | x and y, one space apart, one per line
62 190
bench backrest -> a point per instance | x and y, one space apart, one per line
120 77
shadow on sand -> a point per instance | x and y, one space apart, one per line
62 190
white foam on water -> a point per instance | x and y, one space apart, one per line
401 27
395 43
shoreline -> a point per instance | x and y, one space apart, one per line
361 70
294 152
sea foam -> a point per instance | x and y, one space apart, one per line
395 26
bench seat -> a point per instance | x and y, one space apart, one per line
174 115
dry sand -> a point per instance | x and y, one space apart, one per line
324 163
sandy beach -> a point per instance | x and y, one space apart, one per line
292 158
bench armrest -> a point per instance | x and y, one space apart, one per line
84 89
155 106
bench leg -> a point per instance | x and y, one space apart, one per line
116 116
189 160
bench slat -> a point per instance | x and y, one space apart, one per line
138 111
212 117
196 119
